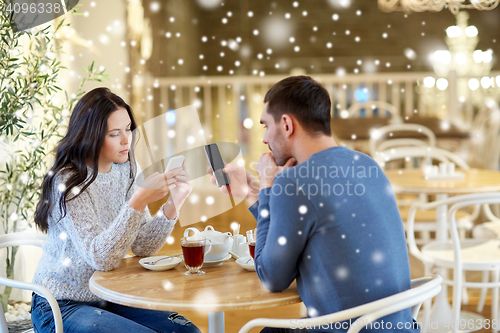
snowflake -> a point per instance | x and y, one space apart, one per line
342 273
377 257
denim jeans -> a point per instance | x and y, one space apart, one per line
106 317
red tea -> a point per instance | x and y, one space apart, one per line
193 254
251 247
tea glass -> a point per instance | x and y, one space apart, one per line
193 251
252 239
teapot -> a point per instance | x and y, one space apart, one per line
222 242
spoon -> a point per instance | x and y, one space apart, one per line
166 257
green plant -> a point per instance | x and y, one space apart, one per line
33 112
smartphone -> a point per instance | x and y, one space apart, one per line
174 163
217 164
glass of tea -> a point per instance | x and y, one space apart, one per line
252 239
193 251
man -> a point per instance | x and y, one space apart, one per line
326 215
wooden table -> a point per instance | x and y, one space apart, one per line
412 181
223 288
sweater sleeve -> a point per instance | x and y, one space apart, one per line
285 218
102 247
152 233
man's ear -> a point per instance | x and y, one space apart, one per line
288 124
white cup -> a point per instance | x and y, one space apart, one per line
451 168
435 170
243 250
443 168
237 240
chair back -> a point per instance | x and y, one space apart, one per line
370 106
422 290
426 153
456 203
379 141
18 239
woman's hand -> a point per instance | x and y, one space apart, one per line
179 193
153 188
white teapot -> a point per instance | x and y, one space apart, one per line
222 242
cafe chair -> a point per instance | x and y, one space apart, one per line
18 239
383 110
472 254
426 220
490 229
421 290
485 137
381 139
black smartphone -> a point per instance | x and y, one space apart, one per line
217 164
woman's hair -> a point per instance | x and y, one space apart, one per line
87 129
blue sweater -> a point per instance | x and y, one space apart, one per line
332 224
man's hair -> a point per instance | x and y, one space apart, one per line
303 98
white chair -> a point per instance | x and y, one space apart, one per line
422 290
485 230
370 106
460 254
18 239
426 222
426 153
380 134
485 137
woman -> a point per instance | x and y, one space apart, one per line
94 210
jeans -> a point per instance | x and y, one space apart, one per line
106 317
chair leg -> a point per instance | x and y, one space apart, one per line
457 297
465 295
427 304
494 301
484 291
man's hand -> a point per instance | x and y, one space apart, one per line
243 184
267 169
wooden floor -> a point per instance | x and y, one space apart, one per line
234 320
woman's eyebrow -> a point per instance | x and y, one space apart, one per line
117 129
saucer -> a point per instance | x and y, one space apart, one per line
163 265
247 263
216 262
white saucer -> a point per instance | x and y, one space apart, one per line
162 265
247 263
216 262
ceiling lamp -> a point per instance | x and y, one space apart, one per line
435 5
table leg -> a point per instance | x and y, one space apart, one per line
216 322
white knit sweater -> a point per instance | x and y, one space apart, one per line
95 234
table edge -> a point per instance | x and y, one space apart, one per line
134 301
